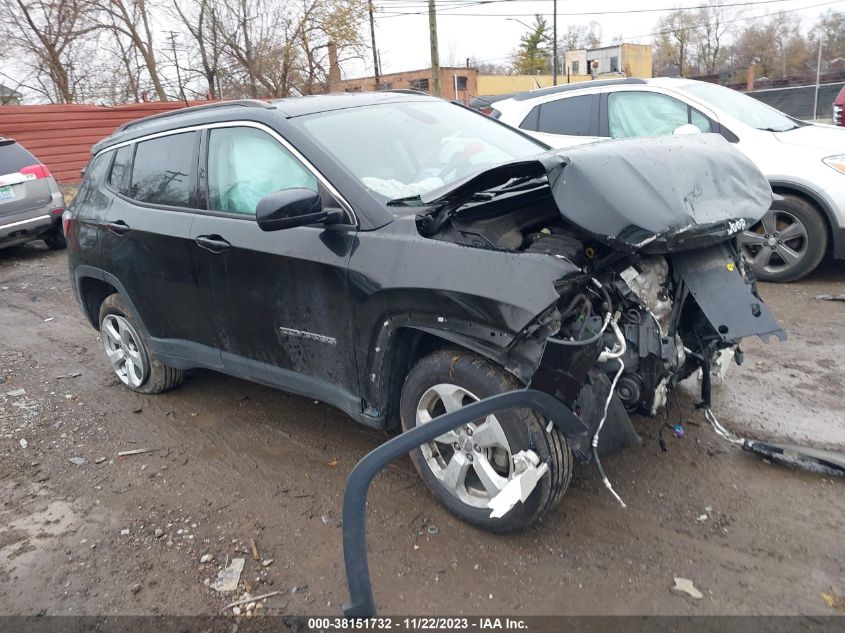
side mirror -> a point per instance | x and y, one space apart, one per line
288 208
686 128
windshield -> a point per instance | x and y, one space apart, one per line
406 149
742 107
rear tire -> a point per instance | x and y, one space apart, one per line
128 352
459 377
55 239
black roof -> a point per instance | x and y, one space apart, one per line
220 110
581 85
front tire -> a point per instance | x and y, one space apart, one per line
788 243
128 352
468 466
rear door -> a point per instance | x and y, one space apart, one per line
146 241
24 184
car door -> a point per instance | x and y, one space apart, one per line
565 121
145 241
639 113
278 300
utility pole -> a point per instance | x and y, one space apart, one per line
172 38
554 45
375 50
435 57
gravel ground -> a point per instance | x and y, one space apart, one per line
83 531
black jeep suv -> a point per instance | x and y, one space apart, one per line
398 257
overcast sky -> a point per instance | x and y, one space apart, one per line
488 34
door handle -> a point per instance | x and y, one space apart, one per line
119 227
213 243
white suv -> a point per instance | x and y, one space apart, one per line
804 162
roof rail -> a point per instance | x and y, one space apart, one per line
245 103
578 85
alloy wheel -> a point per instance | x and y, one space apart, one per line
776 244
123 349
473 462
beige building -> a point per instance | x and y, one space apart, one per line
630 60
456 83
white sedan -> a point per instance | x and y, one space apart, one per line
804 162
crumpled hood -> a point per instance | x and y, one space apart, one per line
656 194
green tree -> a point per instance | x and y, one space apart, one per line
533 55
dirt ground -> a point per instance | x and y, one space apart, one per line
232 462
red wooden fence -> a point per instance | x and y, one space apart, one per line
61 136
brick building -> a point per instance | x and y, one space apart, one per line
458 83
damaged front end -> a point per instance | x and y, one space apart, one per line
660 291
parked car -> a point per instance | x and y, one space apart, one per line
839 108
31 204
399 256
804 162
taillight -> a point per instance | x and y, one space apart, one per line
39 171
65 221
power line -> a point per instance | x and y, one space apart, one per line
396 13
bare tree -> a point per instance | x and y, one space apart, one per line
51 34
202 19
674 42
775 46
579 37
131 18
711 30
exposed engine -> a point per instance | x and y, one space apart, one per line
644 295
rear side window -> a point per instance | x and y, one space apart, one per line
572 116
161 171
531 121
13 158
88 193
117 178
245 164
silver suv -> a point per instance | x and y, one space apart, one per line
31 204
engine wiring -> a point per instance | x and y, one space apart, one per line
616 353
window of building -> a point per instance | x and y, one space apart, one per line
419 84
461 82
161 171
614 64
572 116
575 67
245 164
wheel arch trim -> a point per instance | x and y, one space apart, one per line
83 271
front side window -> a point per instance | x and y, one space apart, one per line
572 116
161 171
635 114
245 164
